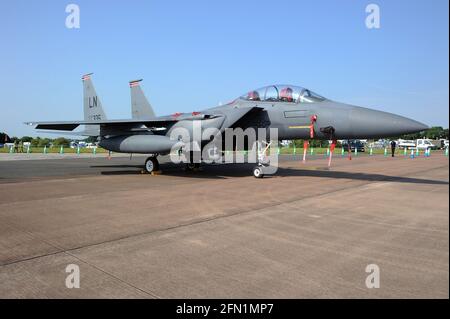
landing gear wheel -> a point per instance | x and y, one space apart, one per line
258 172
192 166
151 164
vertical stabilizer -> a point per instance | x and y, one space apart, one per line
140 108
92 106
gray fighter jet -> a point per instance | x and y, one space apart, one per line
296 112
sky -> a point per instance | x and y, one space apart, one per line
197 54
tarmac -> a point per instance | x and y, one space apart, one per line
307 232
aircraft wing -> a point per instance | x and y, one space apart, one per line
134 125
131 124
71 125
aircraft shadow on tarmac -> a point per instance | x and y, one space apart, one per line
221 171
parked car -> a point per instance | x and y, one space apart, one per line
440 144
424 144
421 144
380 144
354 144
409 144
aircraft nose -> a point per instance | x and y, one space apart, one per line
372 124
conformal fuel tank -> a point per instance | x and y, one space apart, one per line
144 144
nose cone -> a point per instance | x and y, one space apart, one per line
367 123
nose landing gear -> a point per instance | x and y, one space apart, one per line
258 171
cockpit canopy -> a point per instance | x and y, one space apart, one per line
283 93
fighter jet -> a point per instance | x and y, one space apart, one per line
295 112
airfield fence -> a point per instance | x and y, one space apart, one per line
282 150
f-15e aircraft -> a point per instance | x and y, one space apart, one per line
296 112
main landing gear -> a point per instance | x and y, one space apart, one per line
151 164
192 167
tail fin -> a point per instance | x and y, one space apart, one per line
92 106
93 110
140 108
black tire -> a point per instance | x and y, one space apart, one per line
192 166
258 172
151 164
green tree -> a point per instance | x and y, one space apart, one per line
61 141
35 141
298 143
435 132
313 143
43 142
26 139
91 139
319 143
